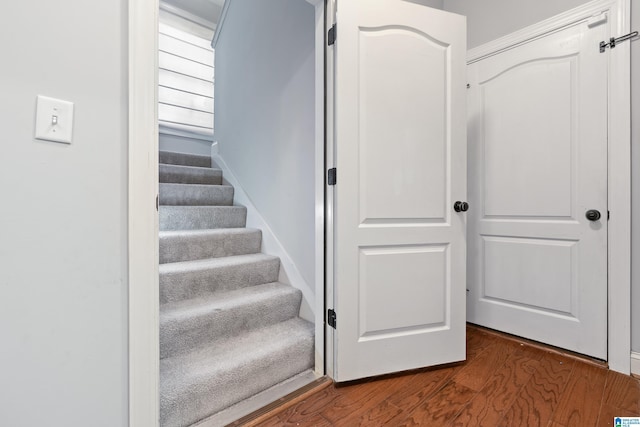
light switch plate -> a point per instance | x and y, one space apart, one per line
54 120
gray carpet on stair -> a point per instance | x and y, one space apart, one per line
201 383
195 195
171 158
187 325
186 245
202 217
228 329
200 278
189 175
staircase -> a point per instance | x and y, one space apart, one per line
228 328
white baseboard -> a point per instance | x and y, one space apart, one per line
635 363
289 273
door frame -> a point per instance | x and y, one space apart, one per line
143 222
619 163
144 306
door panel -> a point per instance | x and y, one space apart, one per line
538 154
530 144
389 95
400 151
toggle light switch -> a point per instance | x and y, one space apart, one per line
54 119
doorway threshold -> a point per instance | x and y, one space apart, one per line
542 346
251 410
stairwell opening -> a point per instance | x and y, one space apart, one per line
234 333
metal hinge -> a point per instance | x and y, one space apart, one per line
332 176
614 41
331 318
331 35
608 215
157 202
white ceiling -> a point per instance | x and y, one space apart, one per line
208 10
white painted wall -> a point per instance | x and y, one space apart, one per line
264 120
63 217
438 4
635 180
181 144
490 19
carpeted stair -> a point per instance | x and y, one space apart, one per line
228 328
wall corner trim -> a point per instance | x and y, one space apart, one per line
635 363
220 26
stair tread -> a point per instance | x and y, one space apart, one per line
179 194
198 384
189 185
189 168
187 217
222 300
168 173
189 324
172 157
235 350
206 232
186 245
211 263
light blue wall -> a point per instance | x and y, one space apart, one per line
63 217
264 116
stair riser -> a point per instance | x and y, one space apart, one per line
182 175
178 286
236 381
196 195
181 334
194 247
171 158
202 217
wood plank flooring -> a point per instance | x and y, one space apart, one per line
504 382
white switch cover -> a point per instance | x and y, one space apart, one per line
54 119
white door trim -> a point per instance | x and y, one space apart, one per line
619 184
319 185
144 353
329 20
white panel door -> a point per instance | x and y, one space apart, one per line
537 267
400 151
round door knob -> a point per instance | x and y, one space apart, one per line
593 215
460 206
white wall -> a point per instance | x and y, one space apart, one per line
63 217
635 181
181 144
264 115
438 4
490 19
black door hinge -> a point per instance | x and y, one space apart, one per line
332 318
608 215
157 202
331 35
331 176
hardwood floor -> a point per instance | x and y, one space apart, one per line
504 382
